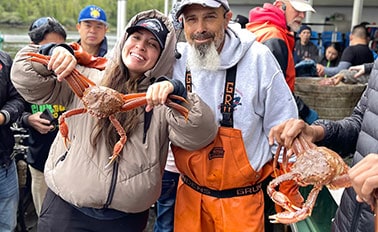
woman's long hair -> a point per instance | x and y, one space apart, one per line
117 77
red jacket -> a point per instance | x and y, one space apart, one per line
269 25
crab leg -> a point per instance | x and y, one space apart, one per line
121 142
301 213
83 79
130 96
275 160
39 60
179 98
134 103
63 128
38 56
140 101
77 82
278 197
181 109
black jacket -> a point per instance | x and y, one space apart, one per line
356 134
39 144
11 106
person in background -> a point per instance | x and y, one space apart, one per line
306 54
304 49
354 134
85 192
220 188
362 69
274 25
92 26
165 205
357 53
11 107
41 121
242 20
331 56
371 31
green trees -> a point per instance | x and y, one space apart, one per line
23 12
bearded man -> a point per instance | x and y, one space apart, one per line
239 78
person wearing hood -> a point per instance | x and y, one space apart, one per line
220 188
86 194
274 25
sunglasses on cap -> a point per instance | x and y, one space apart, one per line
41 22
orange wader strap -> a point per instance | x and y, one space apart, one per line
227 107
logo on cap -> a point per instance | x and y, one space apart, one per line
92 12
95 13
155 26
152 24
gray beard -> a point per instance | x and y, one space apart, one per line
204 56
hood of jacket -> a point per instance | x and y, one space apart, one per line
268 14
167 54
234 49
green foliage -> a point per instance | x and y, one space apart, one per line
23 12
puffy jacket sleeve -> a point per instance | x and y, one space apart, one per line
195 132
37 84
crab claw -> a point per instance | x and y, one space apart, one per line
290 217
63 128
282 200
116 150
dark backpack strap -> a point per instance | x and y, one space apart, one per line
147 122
227 107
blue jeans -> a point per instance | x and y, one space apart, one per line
8 197
166 203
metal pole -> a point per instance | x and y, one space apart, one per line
121 16
357 12
309 13
166 10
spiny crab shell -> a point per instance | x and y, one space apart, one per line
319 166
102 101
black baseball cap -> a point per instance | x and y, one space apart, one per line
153 25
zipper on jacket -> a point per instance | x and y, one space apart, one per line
63 157
112 185
356 216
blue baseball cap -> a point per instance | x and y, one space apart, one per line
92 13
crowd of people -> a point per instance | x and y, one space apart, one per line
206 169
336 58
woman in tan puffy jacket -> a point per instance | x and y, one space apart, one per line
84 194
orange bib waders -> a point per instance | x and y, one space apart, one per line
219 190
